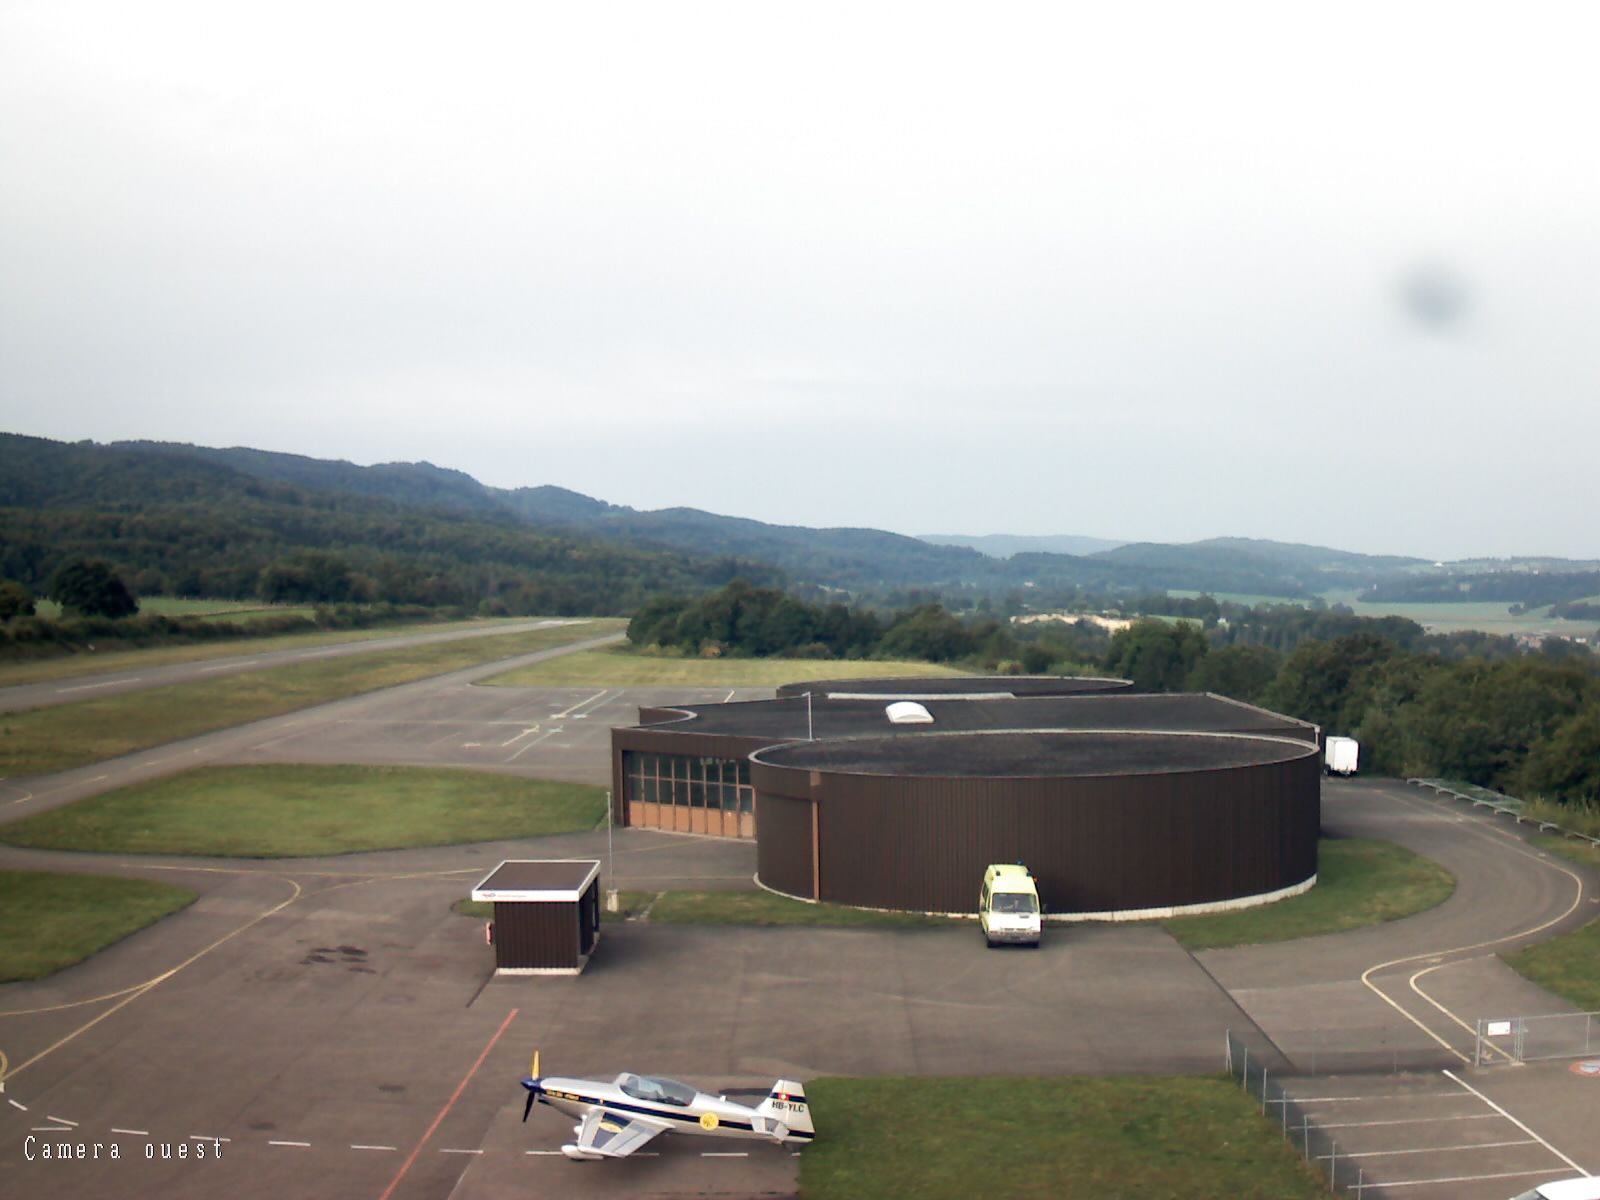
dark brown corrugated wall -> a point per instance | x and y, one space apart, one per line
1105 844
783 843
535 934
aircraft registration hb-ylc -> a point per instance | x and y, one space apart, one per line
616 1118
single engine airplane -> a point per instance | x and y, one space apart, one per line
616 1118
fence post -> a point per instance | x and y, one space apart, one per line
1244 1075
1333 1164
1263 1091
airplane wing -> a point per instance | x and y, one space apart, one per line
614 1135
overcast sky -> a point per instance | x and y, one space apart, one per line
1325 274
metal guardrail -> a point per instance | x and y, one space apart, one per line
1341 1172
1480 797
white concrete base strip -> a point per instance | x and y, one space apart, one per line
1434 1149
1455 1179
1377 1099
1514 1121
1411 1121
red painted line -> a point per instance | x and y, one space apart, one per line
449 1104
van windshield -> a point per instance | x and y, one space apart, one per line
1014 902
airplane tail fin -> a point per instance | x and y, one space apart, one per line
786 1105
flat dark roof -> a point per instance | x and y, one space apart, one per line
786 719
1034 754
537 879
935 685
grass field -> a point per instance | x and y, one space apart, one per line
301 811
1489 616
100 661
766 908
48 921
1129 1137
619 666
1568 965
182 606
71 735
1359 882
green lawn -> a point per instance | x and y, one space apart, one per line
767 908
42 740
1359 882
1127 1137
302 811
619 666
102 660
1568 965
1585 853
49 922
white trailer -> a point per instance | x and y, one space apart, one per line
1340 756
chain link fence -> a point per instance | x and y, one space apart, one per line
1341 1173
1526 1039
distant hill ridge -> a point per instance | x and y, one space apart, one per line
265 495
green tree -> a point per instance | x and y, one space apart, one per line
92 589
1155 655
1566 765
1238 672
15 600
927 632
1317 680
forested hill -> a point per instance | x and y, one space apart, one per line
194 518
196 524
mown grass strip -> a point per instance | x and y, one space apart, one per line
1360 882
1134 1138
50 921
42 740
622 666
303 811
1568 965
767 908
102 661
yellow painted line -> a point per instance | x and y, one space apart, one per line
1511 843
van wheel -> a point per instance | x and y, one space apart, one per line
988 941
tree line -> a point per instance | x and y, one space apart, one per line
1471 707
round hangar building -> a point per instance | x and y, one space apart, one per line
896 794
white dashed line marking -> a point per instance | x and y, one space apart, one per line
724 1154
541 1152
87 687
131 1132
206 1137
353 1146
304 1145
460 1151
14 1104
59 1120
52 1129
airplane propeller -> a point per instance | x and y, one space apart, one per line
532 1084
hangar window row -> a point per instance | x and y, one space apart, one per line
689 781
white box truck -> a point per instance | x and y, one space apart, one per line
1340 756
